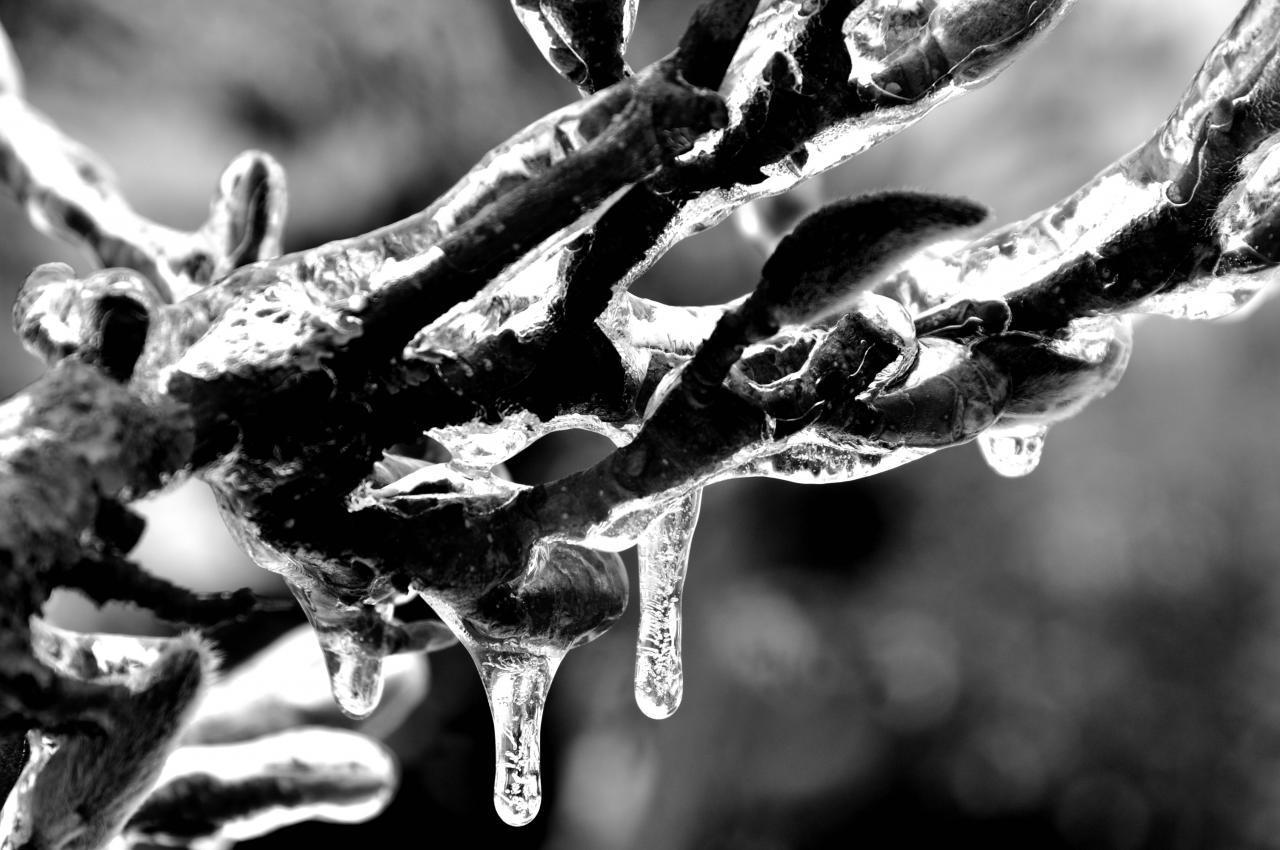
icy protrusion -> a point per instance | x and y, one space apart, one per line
284 686
1013 451
664 560
15 817
516 685
517 634
584 40
355 675
516 676
354 667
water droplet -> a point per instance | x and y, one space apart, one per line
664 560
1013 451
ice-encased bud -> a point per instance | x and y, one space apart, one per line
1054 378
16 818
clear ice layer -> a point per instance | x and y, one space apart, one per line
15 818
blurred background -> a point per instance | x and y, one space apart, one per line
1085 658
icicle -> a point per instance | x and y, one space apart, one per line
354 667
664 558
516 678
15 818
516 684
355 675
517 635
1013 451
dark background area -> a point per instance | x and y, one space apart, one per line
1087 658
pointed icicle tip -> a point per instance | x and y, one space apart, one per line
517 684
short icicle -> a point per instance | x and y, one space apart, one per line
664 560
355 669
16 818
1013 451
516 684
516 680
517 635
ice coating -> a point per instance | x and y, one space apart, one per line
83 796
15 817
821 459
990 338
664 560
856 106
1072 258
1013 451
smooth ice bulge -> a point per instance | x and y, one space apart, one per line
15 819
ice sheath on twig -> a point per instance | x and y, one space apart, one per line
500 313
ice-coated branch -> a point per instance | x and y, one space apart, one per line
300 386
68 193
584 40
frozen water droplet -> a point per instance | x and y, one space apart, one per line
664 559
516 680
16 817
517 635
1013 451
354 667
355 677
516 684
